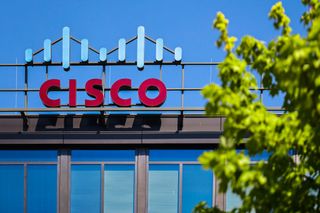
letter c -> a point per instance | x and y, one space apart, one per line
114 92
45 88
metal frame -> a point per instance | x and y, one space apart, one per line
110 107
141 163
181 164
102 165
25 178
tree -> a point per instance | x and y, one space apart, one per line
289 64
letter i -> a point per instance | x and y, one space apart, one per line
72 93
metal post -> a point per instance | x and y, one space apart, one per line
182 87
103 82
180 120
261 88
104 94
26 87
64 181
47 72
141 195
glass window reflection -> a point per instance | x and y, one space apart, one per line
163 188
118 188
85 188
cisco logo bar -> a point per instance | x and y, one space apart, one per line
103 53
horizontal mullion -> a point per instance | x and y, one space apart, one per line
174 162
28 163
99 109
102 162
103 109
112 63
108 89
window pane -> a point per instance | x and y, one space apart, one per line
263 156
174 155
42 188
85 188
232 200
118 188
11 188
28 155
163 188
103 155
197 186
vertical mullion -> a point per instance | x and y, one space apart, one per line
180 187
135 203
220 198
58 184
64 181
213 191
142 181
102 188
25 173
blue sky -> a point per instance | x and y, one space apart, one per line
185 23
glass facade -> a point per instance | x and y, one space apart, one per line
198 185
106 181
12 188
177 182
42 188
163 188
119 188
85 188
102 181
28 181
233 200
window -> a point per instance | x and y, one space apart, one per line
177 181
102 180
28 181
232 199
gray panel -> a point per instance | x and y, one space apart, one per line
11 138
112 138
11 124
181 137
110 129
201 124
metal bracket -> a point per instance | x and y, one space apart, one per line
101 118
25 121
180 121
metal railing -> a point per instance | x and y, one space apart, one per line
110 107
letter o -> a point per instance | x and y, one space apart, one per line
152 102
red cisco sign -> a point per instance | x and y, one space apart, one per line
94 89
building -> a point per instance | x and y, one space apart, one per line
72 153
